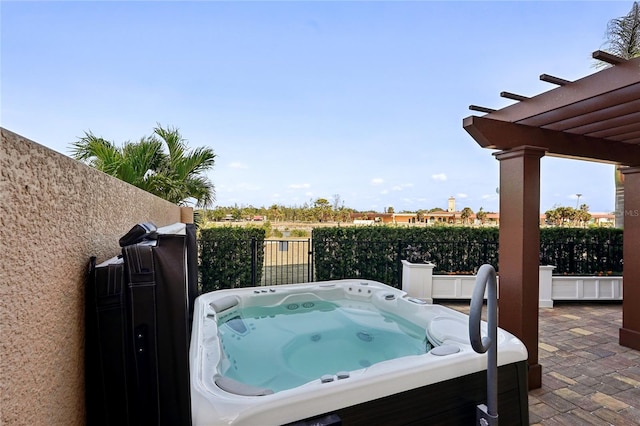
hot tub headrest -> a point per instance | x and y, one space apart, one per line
232 386
224 303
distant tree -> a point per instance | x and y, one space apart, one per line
275 213
344 214
481 215
322 209
623 40
307 213
216 214
175 174
561 216
465 215
435 210
566 215
582 215
337 201
390 210
552 217
236 212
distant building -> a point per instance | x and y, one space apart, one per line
451 206
453 217
603 219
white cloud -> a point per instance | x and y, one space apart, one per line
384 191
460 195
439 176
238 165
396 188
377 181
299 186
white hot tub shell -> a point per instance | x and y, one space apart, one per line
217 401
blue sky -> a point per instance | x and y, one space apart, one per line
305 100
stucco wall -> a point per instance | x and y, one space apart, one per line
54 214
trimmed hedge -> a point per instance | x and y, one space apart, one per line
575 251
376 252
230 257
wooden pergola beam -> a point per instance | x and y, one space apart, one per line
481 109
554 80
607 57
513 96
503 135
591 87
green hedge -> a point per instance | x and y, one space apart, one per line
376 252
226 257
575 251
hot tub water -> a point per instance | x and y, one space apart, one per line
294 343
353 348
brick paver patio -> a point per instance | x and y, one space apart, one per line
588 378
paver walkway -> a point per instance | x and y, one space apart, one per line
588 378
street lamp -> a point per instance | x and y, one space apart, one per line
578 200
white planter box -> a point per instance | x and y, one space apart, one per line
453 286
587 288
418 281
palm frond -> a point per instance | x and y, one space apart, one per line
84 149
623 34
98 153
196 162
176 175
202 190
173 140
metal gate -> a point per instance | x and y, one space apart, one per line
287 262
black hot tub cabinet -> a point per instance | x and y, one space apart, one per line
411 390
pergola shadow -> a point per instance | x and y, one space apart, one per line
596 118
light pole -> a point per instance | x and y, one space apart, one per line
578 200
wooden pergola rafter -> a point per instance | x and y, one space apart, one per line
604 106
596 118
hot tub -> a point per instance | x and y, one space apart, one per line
349 351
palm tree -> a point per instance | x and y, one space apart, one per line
481 216
465 215
177 175
623 40
623 34
275 212
182 171
583 215
553 216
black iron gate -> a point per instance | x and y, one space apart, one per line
285 262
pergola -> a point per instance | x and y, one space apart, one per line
596 118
